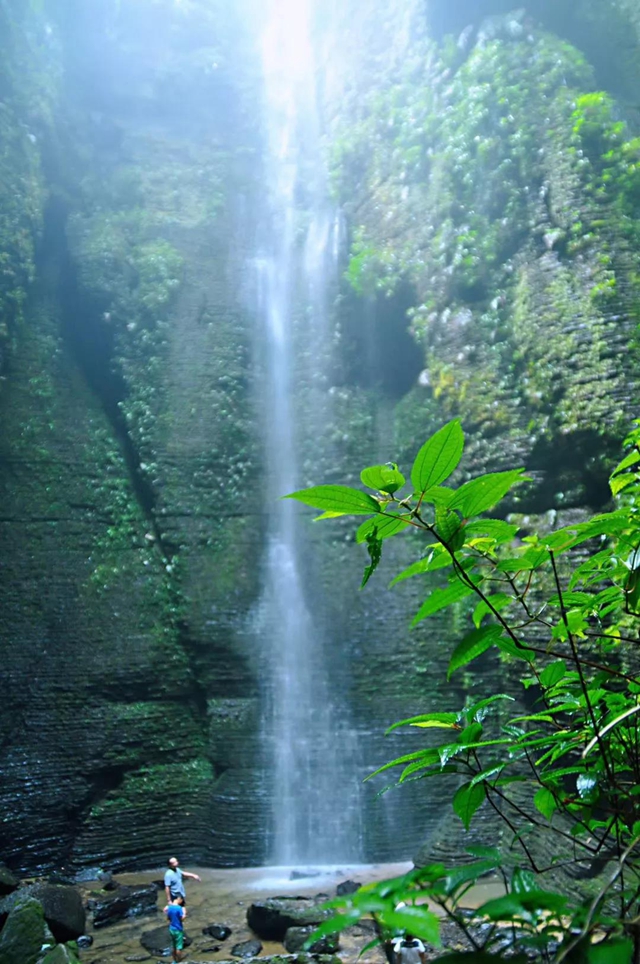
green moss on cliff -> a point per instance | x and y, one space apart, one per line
507 193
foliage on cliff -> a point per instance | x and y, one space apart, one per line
504 189
563 775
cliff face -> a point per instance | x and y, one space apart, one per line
490 189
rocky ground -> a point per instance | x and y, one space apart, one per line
233 915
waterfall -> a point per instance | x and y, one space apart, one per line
309 746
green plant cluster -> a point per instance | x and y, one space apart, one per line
28 78
564 606
505 192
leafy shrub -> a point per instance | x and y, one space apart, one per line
567 770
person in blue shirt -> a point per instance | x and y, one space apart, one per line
173 885
175 914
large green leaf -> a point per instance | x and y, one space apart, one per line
545 802
483 493
493 528
383 478
473 645
337 498
440 599
438 558
618 950
445 720
419 921
385 525
466 801
438 457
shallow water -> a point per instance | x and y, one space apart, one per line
222 897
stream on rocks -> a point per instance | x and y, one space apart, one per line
223 896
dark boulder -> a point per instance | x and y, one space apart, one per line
219 932
296 937
347 887
124 902
271 919
60 954
62 905
8 883
157 941
63 911
246 949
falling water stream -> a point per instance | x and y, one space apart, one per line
315 796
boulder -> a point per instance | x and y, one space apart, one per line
63 910
295 938
62 907
60 954
219 932
157 941
246 949
25 933
84 941
124 902
270 919
347 887
8 882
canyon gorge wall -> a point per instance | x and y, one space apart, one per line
484 166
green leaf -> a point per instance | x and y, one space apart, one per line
466 801
519 652
438 558
620 483
498 600
447 720
427 756
488 853
419 921
494 528
384 525
449 527
337 498
438 457
374 548
481 494
545 802
473 645
440 599
383 478
631 459
617 950
329 515
553 673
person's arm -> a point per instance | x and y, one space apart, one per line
168 893
185 873
184 912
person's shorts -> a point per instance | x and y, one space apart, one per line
177 938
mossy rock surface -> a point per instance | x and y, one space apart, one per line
24 933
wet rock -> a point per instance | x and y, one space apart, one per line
89 874
60 954
292 959
123 903
24 933
271 919
62 906
219 932
246 949
134 958
158 942
347 887
63 911
85 941
8 882
295 938
209 949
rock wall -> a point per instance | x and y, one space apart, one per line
491 192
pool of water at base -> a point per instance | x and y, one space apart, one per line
223 896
